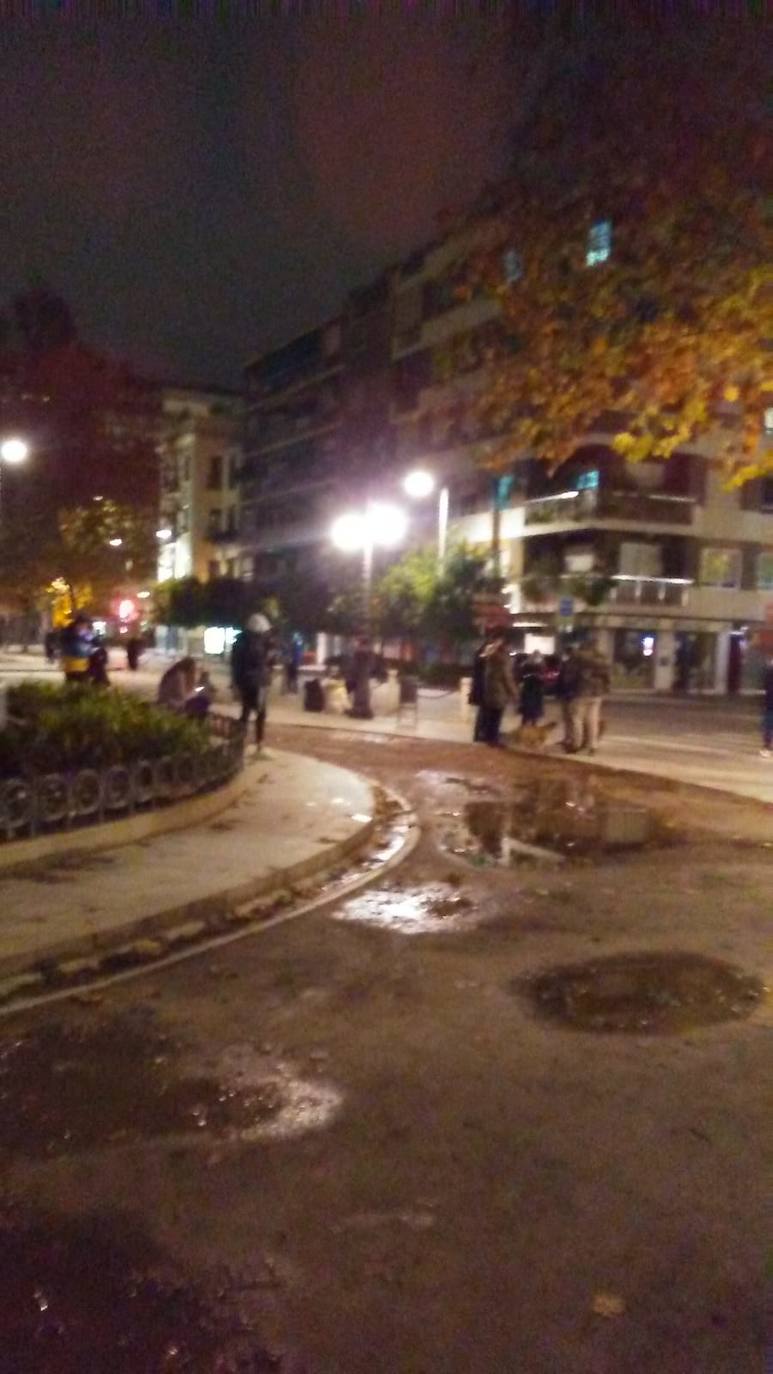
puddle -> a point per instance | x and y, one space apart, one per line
425 910
657 993
96 1296
68 1089
565 817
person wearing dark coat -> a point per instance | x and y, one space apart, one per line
767 710
498 688
476 689
532 700
251 672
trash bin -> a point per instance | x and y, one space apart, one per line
313 695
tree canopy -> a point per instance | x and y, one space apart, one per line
631 253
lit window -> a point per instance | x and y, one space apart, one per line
720 567
588 481
767 421
512 267
599 242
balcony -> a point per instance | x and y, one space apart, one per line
628 590
583 507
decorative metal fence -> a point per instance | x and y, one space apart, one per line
40 803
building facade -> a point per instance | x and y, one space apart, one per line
200 458
672 571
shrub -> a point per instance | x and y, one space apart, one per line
59 729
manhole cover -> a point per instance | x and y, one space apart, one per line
658 993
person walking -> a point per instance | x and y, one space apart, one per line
767 710
567 685
251 673
532 699
76 645
592 688
498 688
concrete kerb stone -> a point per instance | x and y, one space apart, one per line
179 815
148 938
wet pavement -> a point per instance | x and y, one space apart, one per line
94 1295
660 993
568 817
365 1142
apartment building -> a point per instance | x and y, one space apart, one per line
671 570
293 411
200 461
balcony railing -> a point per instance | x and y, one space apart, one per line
582 506
628 590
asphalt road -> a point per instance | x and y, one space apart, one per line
362 1143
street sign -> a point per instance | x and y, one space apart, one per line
566 607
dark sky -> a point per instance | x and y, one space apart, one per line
200 192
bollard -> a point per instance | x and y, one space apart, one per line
465 709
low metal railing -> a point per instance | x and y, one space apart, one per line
42 803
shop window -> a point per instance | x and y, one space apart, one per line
765 571
720 568
599 243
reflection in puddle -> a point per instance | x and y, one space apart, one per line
411 911
95 1296
67 1089
648 993
570 817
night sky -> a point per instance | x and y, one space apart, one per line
199 192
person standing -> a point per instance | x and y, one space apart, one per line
133 651
98 663
76 645
592 688
532 699
498 688
251 673
767 710
567 686
476 688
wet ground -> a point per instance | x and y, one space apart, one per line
502 1111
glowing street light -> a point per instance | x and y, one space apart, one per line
14 450
382 525
115 543
419 484
164 535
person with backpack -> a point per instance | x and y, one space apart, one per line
251 673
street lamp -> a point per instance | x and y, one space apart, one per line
379 525
164 535
115 543
14 450
419 484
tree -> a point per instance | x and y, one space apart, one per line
102 546
450 614
631 254
403 594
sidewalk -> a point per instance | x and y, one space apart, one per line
703 741
71 917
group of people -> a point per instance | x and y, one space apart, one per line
583 683
83 653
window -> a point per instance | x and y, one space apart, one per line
214 527
638 559
720 567
588 481
512 267
599 242
215 474
765 570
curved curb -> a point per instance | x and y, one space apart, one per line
251 917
